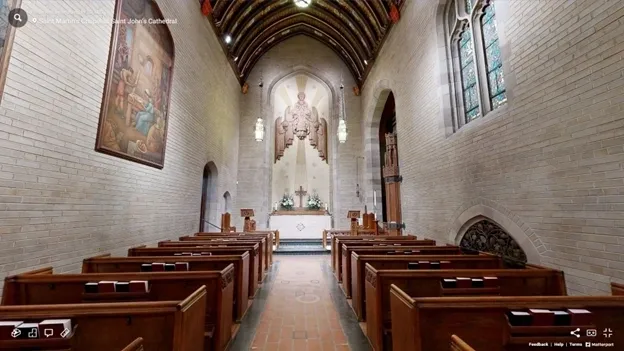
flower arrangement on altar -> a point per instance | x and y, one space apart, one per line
314 202
287 202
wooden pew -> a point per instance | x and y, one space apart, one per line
268 241
47 289
348 247
272 235
344 268
172 251
262 253
427 283
401 262
617 289
335 257
136 345
163 325
426 324
107 264
457 344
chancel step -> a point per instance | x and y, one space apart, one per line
301 247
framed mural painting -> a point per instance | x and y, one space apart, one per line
134 113
7 33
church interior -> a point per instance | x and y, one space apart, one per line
311 175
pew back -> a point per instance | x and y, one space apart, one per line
381 262
336 242
136 345
426 324
427 283
109 264
163 326
265 239
28 289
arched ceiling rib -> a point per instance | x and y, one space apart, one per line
353 29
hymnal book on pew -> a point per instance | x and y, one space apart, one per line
464 282
561 318
490 282
181 266
146 267
519 318
158 267
580 316
477 283
542 317
449 283
445 264
54 328
434 265
122 287
106 286
412 265
424 264
91 288
407 252
139 286
7 327
169 267
28 331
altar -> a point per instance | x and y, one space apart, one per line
300 223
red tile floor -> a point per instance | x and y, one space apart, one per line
299 314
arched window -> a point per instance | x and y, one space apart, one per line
487 236
476 66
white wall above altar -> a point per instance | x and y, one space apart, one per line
300 226
300 165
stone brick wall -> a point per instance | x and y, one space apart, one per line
298 54
548 166
60 201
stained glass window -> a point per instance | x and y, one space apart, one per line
468 76
494 62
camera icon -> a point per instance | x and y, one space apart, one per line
592 332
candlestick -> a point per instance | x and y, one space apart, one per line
375 198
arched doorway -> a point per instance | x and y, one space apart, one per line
209 203
387 125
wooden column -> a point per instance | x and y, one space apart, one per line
225 223
392 182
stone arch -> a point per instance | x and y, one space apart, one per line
373 113
209 200
227 202
511 224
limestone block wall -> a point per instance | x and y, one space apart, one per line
60 201
548 166
297 54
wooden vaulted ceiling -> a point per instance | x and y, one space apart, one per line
354 29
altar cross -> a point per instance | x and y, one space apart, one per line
301 193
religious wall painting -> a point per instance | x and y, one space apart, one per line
301 121
487 236
7 34
134 114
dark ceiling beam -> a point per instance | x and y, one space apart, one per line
351 58
250 33
357 16
295 33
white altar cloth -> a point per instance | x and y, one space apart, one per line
300 226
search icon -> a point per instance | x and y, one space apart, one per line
18 18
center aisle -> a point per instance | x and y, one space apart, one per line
300 312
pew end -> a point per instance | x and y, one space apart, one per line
617 289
